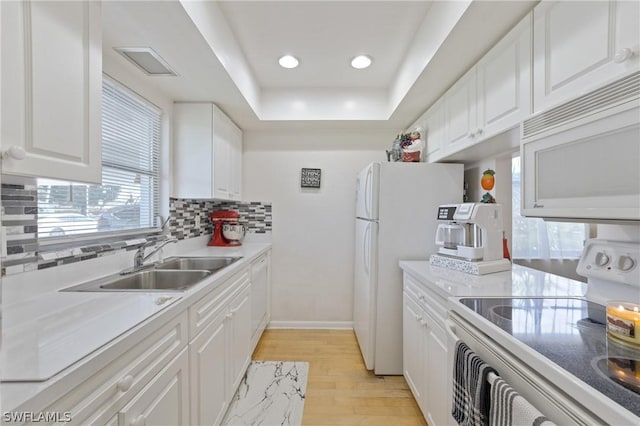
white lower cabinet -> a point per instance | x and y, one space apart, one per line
412 335
260 296
435 375
208 363
164 401
220 352
425 352
239 354
128 377
184 372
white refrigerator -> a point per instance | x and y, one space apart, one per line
396 207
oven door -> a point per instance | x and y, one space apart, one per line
545 396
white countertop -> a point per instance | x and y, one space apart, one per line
519 282
46 333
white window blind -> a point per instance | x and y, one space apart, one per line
128 198
534 238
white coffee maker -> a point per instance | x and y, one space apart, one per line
470 239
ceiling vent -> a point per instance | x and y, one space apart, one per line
147 60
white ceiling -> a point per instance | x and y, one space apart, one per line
226 52
324 36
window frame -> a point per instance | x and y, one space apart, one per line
118 235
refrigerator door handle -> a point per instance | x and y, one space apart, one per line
367 249
367 192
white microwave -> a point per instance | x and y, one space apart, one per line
581 159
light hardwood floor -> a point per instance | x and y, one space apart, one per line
340 391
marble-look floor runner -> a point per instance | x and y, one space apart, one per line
271 393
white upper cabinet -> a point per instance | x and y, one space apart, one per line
504 82
460 112
581 45
492 97
207 153
51 89
434 129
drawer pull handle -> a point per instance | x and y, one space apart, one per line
139 421
125 383
229 315
423 322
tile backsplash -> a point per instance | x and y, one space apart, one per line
255 215
19 225
21 251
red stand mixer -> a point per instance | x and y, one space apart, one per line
227 230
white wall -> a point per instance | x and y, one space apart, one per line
313 229
501 191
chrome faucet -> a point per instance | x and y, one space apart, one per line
139 258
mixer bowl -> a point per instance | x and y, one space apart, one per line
233 232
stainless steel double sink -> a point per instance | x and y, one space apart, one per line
172 274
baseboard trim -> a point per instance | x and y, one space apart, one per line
311 325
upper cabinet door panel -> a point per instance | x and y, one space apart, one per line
579 46
504 82
460 103
192 150
55 77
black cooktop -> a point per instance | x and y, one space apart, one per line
572 334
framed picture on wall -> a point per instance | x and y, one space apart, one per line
310 178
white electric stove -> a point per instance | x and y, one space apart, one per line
556 351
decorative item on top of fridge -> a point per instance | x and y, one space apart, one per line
407 147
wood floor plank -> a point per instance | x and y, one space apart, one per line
340 390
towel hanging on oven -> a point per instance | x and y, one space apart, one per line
509 408
470 387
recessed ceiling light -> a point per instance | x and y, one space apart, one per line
288 61
360 62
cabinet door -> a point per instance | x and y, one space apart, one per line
236 164
460 110
240 337
165 400
434 130
222 141
504 82
208 364
412 363
436 376
259 297
580 45
52 89
192 150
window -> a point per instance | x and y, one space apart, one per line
128 197
534 238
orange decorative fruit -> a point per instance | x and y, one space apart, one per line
488 180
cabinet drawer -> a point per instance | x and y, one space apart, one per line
165 400
206 309
98 399
427 298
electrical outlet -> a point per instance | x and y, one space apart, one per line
197 221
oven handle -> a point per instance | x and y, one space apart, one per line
450 327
